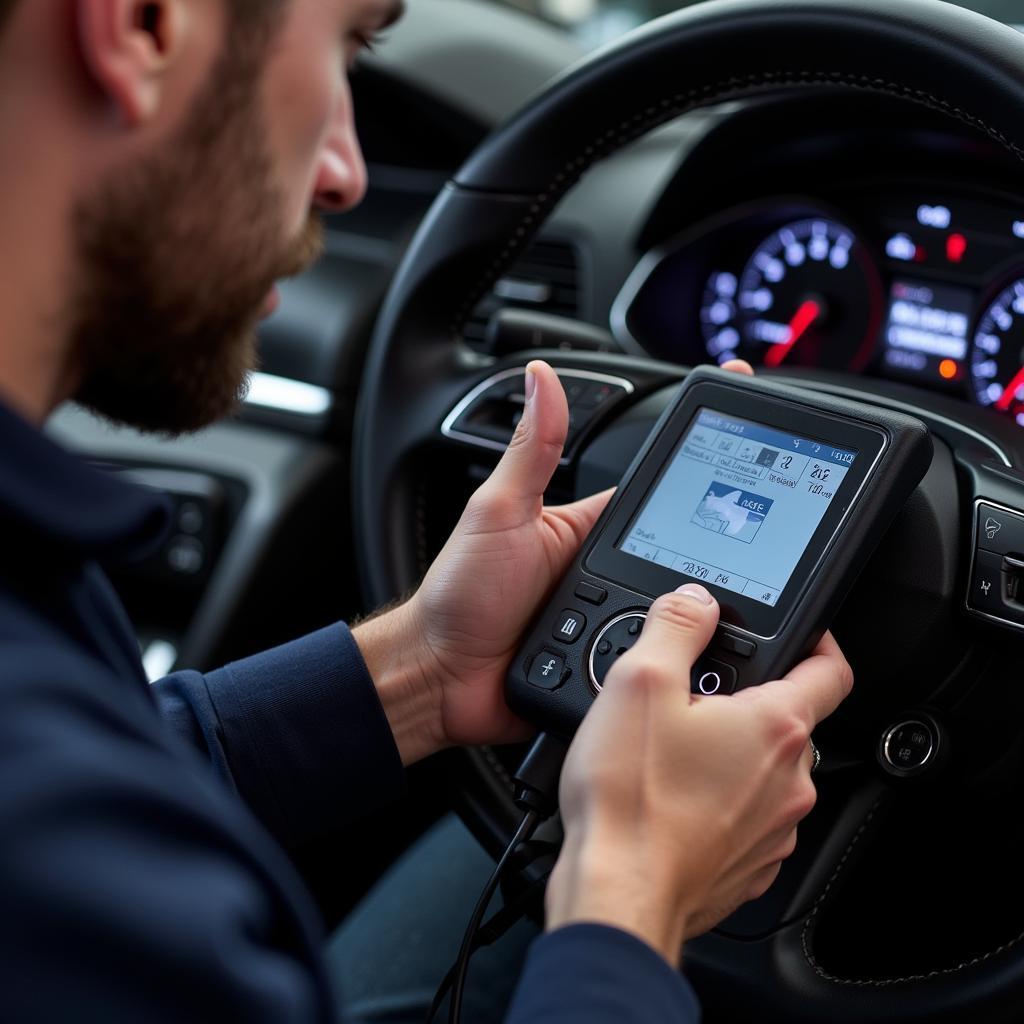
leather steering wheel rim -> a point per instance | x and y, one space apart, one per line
924 52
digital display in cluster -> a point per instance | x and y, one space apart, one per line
927 332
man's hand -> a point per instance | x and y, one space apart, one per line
679 808
439 660
457 635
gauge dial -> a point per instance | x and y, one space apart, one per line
719 317
809 296
997 358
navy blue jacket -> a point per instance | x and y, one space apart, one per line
143 829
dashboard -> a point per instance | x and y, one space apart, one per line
887 279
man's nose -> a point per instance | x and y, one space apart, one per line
341 182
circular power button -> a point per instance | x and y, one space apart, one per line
909 746
709 683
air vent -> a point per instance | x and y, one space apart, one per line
545 279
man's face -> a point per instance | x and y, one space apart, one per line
179 253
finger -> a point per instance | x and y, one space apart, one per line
581 515
678 628
526 468
738 366
815 687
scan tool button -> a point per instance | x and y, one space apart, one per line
710 676
546 671
590 593
735 644
615 637
569 626
709 683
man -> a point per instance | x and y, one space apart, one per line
161 159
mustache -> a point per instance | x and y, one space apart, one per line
305 250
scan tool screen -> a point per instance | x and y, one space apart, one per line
738 504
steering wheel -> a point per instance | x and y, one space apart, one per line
801 954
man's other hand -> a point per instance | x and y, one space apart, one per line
678 808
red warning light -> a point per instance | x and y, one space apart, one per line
948 369
956 248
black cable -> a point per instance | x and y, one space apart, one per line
496 927
537 796
537 776
526 826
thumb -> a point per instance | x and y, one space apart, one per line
526 468
679 626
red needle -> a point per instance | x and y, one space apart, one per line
1004 400
803 318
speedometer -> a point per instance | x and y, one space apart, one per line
809 296
997 360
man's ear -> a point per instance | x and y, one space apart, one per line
127 47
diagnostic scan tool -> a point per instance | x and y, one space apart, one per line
771 497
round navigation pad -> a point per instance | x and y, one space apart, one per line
615 638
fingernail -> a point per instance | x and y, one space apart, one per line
696 591
531 384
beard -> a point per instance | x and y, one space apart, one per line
176 259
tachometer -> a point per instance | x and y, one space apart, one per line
997 359
809 296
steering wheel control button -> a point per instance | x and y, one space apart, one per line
735 645
570 626
711 676
908 747
986 593
615 637
185 556
547 671
191 517
590 593
999 529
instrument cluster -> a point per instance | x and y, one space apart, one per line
923 288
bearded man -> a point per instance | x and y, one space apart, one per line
163 162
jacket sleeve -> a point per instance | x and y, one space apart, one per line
594 974
298 732
132 886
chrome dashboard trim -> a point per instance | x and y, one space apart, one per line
448 426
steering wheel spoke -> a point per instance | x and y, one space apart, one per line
487 415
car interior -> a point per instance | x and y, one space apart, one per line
830 189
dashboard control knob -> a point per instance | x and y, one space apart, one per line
910 746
